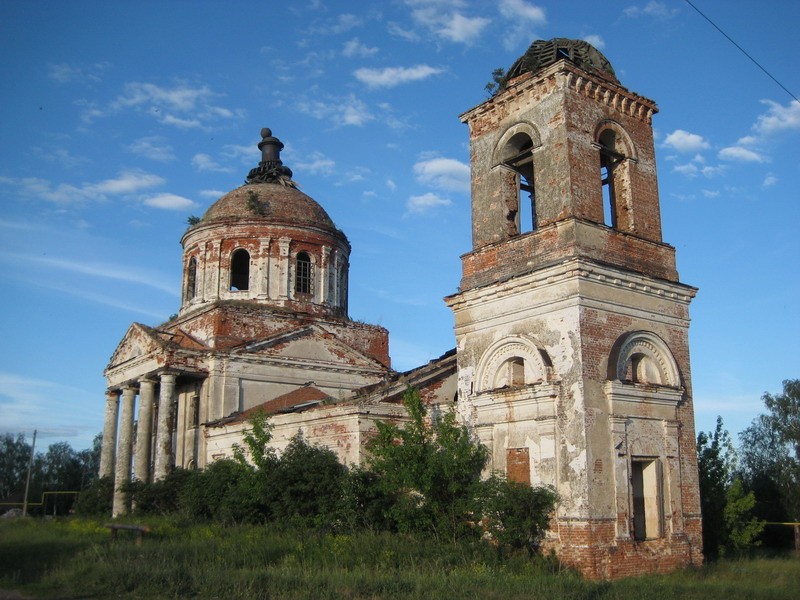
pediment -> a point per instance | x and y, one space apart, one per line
137 342
311 343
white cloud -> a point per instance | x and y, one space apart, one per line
769 180
347 110
126 183
521 10
391 185
656 10
315 163
72 73
596 41
683 141
117 272
451 25
61 156
182 106
211 193
204 162
355 48
406 34
443 173
391 76
778 118
740 154
522 17
425 203
153 147
711 193
693 170
169 202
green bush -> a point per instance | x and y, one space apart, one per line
515 515
97 499
159 497
226 491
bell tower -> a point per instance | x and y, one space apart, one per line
571 322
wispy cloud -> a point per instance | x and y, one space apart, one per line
55 410
154 147
778 118
127 182
116 272
183 106
741 154
595 40
653 9
521 17
204 162
76 73
443 173
315 163
450 25
169 202
347 110
426 203
389 77
354 48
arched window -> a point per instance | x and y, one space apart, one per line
303 273
240 270
642 357
616 155
191 279
511 373
521 210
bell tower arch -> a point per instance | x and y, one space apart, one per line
572 331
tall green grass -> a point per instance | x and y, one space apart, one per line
76 559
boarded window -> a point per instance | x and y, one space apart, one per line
518 465
646 493
191 279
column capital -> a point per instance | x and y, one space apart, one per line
148 379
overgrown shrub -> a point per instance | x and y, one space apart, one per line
159 497
308 483
226 491
97 499
515 515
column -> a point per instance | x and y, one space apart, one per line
263 268
144 430
283 252
109 434
321 289
124 451
166 402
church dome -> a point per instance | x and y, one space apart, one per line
543 53
273 202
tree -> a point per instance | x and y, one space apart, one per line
728 521
716 462
770 460
430 467
14 455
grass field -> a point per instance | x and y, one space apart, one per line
75 558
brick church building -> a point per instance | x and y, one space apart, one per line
571 359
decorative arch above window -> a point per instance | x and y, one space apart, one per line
616 150
240 270
514 152
303 274
643 357
191 279
512 362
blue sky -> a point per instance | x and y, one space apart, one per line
122 119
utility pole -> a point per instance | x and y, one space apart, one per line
28 479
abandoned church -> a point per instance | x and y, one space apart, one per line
571 358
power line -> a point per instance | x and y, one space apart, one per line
743 51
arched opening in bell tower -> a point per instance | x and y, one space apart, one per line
615 156
517 156
191 279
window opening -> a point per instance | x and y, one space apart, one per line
240 270
518 465
511 373
523 215
191 279
194 412
646 492
609 160
302 280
